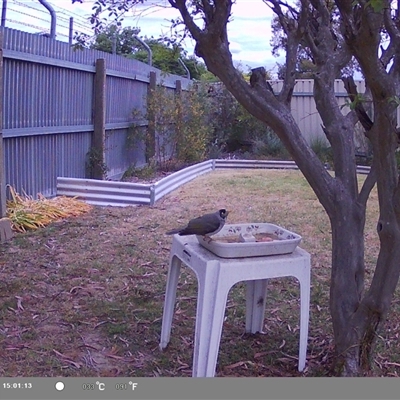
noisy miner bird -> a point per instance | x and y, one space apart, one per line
207 225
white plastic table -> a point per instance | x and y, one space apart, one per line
216 276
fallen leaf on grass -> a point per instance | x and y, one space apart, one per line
123 340
284 360
75 288
115 357
392 363
101 323
289 356
184 369
19 303
68 359
19 347
88 346
263 353
75 364
183 366
235 365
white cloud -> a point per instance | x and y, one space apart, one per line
249 30
235 47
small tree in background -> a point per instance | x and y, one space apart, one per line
165 53
194 126
122 40
236 131
181 125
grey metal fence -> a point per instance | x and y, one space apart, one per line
49 111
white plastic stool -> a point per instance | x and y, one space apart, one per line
216 276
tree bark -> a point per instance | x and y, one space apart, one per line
347 283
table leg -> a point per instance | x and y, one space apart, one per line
304 316
169 302
256 293
211 304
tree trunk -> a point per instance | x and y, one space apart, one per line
347 280
357 317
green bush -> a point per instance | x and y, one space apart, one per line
235 130
181 127
270 146
193 128
204 122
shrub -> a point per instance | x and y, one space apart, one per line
193 128
181 128
204 122
270 146
236 130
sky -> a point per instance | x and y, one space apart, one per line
249 31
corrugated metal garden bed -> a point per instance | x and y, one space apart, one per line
116 193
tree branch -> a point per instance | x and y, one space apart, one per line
362 115
194 30
328 49
258 79
387 54
391 27
368 185
294 28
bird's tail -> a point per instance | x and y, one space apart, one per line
173 231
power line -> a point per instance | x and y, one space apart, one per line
31 14
40 8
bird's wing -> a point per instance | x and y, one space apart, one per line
201 225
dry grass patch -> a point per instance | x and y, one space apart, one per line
26 213
84 296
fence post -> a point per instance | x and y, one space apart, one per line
151 128
96 153
179 120
5 224
178 87
3 210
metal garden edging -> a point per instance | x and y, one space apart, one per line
255 164
104 193
173 181
115 193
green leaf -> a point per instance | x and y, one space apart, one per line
377 5
395 100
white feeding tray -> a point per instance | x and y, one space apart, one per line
251 240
